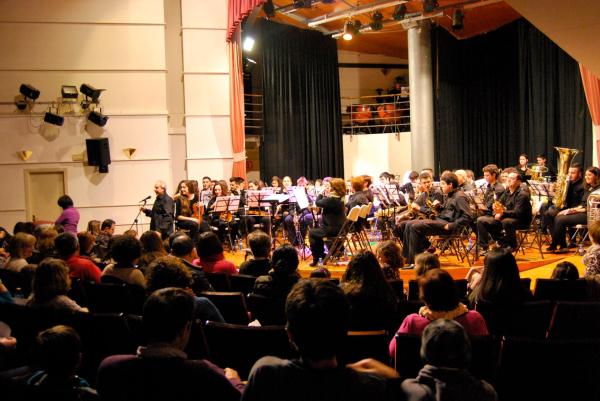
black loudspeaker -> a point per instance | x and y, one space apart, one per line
98 153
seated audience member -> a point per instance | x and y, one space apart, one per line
446 351
152 248
183 249
86 244
438 291
373 303
67 248
389 255
591 259
58 351
125 251
426 261
260 245
317 322
284 274
5 296
44 246
565 271
169 271
160 370
50 285
131 233
20 247
210 252
320 272
500 282
93 227
107 230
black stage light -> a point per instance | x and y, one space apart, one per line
98 118
91 92
29 91
430 5
269 9
376 19
54 119
69 92
20 102
399 12
458 19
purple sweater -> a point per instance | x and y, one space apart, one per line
69 218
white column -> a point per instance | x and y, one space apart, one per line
421 95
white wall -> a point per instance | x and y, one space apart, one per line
372 154
118 45
206 88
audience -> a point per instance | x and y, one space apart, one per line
389 255
439 293
152 248
320 272
125 251
107 230
20 247
93 228
44 246
210 251
50 285
284 274
80 268
500 282
591 259
260 245
317 321
426 261
446 351
183 249
86 244
58 352
160 370
565 271
373 304
169 271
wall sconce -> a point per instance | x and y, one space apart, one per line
129 152
25 154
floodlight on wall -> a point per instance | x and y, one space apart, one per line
348 30
69 92
458 19
248 44
29 91
54 119
429 5
90 92
98 118
25 154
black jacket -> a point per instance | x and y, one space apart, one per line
334 214
161 214
517 206
456 210
488 198
574 194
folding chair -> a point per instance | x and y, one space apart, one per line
534 230
364 213
454 243
341 239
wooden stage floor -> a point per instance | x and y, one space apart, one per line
531 264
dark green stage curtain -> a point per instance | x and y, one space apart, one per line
302 113
508 92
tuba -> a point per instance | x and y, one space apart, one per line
565 156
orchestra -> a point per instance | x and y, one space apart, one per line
410 212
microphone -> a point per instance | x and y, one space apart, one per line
146 198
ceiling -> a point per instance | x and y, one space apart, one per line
480 16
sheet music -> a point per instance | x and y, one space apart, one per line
301 198
221 203
205 196
256 199
279 198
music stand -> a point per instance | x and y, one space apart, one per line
275 200
256 200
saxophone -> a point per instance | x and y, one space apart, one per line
390 211
566 155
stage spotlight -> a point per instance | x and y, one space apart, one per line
429 5
376 19
357 25
458 19
29 91
20 102
399 12
54 119
248 44
348 30
90 92
98 118
269 9
69 92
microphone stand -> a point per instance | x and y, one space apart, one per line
135 221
